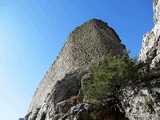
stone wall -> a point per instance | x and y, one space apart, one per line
86 45
150 51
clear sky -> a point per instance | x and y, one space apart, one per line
32 33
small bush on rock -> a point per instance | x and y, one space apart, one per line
112 74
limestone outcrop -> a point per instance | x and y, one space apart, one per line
85 46
150 51
141 101
65 102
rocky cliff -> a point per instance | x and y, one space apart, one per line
142 100
85 46
150 51
60 94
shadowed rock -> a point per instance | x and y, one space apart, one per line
85 46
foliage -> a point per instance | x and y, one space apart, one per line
112 74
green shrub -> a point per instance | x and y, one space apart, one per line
112 74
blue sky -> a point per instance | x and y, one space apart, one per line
32 33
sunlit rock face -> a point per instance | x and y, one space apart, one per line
85 46
150 51
141 101
156 9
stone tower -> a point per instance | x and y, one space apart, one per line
85 46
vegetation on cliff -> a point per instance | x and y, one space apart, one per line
109 77
112 74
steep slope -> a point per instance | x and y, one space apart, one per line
142 100
150 51
86 45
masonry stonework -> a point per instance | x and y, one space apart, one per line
85 46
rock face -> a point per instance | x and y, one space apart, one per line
85 46
65 100
150 51
60 94
142 101
156 8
